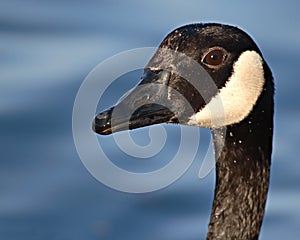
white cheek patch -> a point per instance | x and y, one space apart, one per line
236 99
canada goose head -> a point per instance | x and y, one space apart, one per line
207 75
214 76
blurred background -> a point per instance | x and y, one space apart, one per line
47 48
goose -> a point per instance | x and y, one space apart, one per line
242 130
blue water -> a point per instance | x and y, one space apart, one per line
46 50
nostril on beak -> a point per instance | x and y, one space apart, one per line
141 101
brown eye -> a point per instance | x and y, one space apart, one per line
214 57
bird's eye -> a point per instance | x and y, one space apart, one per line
214 57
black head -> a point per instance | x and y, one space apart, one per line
196 68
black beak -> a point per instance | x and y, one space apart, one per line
147 115
147 104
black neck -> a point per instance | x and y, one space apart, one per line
242 173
